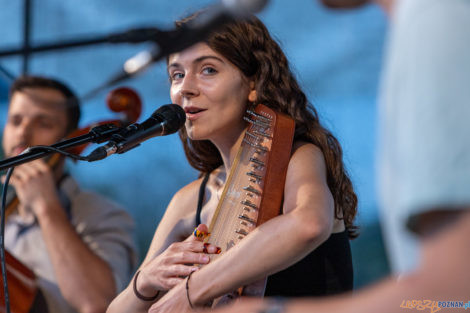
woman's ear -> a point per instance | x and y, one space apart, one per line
252 95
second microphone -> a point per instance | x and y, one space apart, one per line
166 120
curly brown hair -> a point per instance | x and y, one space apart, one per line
248 45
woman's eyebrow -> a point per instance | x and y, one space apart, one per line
205 57
197 60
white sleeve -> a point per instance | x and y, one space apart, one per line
424 140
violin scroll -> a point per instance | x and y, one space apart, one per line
121 100
127 101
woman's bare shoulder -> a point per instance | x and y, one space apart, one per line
307 167
303 151
186 197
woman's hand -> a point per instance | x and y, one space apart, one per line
174 301
169 268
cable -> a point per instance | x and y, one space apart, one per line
2 243
48 148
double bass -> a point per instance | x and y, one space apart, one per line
22 285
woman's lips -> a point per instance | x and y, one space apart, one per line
193 113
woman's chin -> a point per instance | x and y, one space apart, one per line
194 135
203 132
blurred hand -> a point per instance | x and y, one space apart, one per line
174 302
35 187
245 305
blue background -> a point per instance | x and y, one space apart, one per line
336 56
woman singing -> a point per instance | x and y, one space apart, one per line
305 250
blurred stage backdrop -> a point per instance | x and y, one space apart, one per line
336 56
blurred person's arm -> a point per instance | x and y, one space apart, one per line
442 275
84 279
429 81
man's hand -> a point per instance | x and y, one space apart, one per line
35 187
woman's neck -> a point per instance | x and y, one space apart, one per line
228 149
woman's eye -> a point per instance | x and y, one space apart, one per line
209 70
177 75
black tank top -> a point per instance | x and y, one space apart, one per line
326 270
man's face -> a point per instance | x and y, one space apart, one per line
344 3
36 116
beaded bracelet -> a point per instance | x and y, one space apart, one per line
187 291
138 294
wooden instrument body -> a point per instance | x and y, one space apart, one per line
253 191
21 284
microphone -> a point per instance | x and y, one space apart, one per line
167 42
166 120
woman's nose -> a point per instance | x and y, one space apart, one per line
189 87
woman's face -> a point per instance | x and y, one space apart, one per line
212 92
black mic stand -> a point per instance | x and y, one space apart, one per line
135 35
165 42
97 134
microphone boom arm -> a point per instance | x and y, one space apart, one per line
135 35
97 134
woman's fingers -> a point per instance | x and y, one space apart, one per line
188 257
190 252
183 270
182 258
200 233
195 246
211 249
195 240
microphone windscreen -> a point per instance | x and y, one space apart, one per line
173 115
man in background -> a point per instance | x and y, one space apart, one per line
78 244
424 164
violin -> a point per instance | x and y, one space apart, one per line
21 280
122 100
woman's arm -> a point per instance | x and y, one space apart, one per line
169 258
282 241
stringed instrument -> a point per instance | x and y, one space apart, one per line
21 285
254 189
21 280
